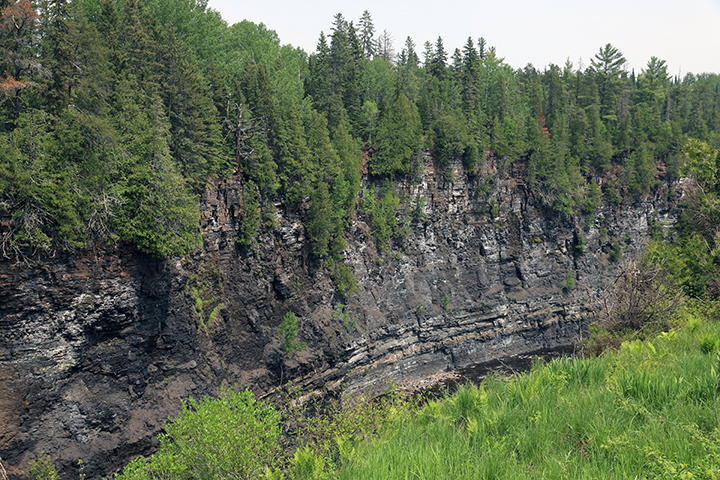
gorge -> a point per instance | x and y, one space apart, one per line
98 346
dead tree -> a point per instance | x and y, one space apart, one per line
242 129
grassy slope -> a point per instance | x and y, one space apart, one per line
647 411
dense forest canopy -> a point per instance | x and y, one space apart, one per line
115 114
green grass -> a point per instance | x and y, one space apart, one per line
646 411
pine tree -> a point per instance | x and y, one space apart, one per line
438 64
196 142
470 78
18 61
367 33
159 214
319 223
608 66
398 138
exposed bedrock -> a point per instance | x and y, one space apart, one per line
98 347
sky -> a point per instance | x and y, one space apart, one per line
686 34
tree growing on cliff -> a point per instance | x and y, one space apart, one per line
250 213
398 138
289 343
319 222
288 333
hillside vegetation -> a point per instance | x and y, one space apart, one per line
647 410
115 114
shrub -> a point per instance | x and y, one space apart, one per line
233 436
42 468
648 301
383 216
445 301
343 277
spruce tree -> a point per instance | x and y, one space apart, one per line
319 222
398 138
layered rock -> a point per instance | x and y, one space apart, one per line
98 348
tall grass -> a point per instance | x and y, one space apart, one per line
645 411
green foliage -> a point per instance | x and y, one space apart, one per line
648 301
569 283
494 209
451 140
288 334
701 162
42 468
445 302
592 200
307 465
580 246
250 214
232 436
383 215
343 315
709 342
418 212
343 276
644 411
398 138
319 223
207 289
114 113
270 216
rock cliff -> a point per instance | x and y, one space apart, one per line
98 347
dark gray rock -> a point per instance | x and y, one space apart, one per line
98 348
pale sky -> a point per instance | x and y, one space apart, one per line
686 34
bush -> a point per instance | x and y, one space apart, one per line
42 468
648 301
445 302
233 436
383 216
343 277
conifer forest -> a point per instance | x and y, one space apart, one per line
114 115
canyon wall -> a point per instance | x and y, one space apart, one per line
98 347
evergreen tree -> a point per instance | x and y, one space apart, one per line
409 71
159 215
470 78
250 211
319 223
367 33
437 66
608 66
398 138
196 142
18 61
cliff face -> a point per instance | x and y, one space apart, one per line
97 348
